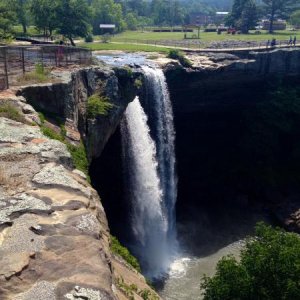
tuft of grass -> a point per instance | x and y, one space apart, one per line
79 157
39 75
98 105
51 134
10 112
122 251
176 54
78 153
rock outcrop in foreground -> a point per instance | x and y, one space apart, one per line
54 237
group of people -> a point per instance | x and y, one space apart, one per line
292 42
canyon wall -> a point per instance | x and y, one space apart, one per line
54 236
237 123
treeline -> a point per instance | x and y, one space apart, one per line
73 18
82 17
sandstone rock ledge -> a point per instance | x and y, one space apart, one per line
54 237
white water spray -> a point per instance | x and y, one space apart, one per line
149 159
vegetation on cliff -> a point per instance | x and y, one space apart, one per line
176 54
98 105
10 112
78 152
269 269
120 250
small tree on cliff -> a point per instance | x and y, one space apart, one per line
73 18
269 269
243 15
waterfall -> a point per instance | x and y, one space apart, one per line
149 161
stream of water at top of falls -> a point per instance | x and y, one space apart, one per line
149 161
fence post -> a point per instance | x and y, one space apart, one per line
5 67
23 61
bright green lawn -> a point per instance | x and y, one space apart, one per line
124 47
31 30
204 36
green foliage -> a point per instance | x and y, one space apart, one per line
10 112
51 133
42 117
138 83
79 157
130 290
243 15
44 15
7 19
275 8
105 38
269 269
120 250
73 18
295 18
89 38
176 54
39 75
98 105
78 152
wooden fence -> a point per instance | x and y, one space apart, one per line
15 61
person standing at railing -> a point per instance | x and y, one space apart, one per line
60 52
294 41
290 41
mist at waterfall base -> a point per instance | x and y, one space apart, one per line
149 164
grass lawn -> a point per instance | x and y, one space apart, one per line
204 36
124 47
31 30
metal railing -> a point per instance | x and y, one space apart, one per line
15 61
194 44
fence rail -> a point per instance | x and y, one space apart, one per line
195 44
15 61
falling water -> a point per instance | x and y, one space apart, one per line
148 146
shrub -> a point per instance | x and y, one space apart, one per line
51 133
89 38
120 250
10 112
79 157
98 105
105 38
269 269
138 83
39 75
176 54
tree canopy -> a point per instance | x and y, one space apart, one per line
278 8
243 15
269 268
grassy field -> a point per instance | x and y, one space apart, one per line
204 36
123 47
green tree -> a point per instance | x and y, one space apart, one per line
7 18
73 18
243 15
44 15
280 8
131 21
269 269
295 18
107 12
21 8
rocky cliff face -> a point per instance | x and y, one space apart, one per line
68 100
54 236
236 120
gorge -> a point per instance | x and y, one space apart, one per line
230 173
